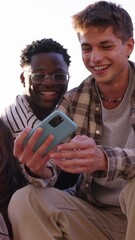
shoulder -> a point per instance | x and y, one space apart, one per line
132 65
84 87
132 71
17 101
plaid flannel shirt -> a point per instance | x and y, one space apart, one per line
82 104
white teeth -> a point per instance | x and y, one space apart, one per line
48 93
99 68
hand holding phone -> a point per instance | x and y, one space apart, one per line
57 124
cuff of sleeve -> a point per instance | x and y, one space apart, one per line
41 182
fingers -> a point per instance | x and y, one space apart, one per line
80 138
76 149
74 144
75 165
76 156
18 143
36 160
26 154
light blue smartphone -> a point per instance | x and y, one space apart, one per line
57 124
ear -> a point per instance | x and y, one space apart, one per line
130 46
22 78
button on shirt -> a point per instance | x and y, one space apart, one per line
83 105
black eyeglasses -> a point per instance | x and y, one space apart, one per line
58 77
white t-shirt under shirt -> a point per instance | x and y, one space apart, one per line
117 132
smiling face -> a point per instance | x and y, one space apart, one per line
105 55
44 95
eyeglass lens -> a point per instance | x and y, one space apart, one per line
40 77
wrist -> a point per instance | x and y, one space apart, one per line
103 160
41 173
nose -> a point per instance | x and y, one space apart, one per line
48 80
96 55
46 76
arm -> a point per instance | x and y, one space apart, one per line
121 162
82 155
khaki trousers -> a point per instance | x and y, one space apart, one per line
127 201
3 229
48 214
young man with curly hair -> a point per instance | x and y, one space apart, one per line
45 77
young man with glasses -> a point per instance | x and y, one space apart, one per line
45 76
45 79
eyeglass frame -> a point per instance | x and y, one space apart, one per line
45 76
